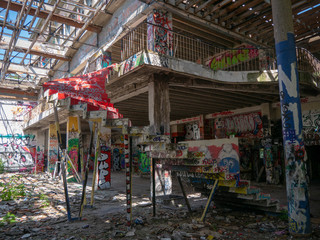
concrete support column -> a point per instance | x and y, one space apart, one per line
160 36
159 106
104 160
295 156
73 127
53 148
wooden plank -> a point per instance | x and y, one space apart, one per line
14 6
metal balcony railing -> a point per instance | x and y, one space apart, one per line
191 48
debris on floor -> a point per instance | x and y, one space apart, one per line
33 207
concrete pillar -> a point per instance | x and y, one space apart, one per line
159 106
295 156
73 126
104 160
53 148
160 38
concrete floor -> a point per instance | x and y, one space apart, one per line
141 190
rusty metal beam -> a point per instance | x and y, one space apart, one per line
14 6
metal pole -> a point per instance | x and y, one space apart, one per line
295 157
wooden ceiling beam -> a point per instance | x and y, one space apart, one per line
239 10
214 7
15 6
32 71
178 2
191 3
16 94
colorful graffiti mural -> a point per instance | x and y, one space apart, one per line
160 37
15 157
104 166
221 154
73 144
242 125
311 127
53 148
233 57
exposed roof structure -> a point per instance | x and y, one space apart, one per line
38 36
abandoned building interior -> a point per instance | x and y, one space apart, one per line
213 95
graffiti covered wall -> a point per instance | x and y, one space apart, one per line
311 127
221 154
242 125
16 152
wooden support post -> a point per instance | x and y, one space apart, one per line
209 200
94 176
83 197
184 194
62 160
65 186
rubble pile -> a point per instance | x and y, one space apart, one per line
38 211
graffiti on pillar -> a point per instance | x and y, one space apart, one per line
160 37
73 145
40 159
311 127
295 157
192 131
268 159
104 168
53 148
144 162
233 57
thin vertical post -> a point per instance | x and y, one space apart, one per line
128 180
94 176
295 157
153 186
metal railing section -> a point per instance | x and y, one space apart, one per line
191 48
